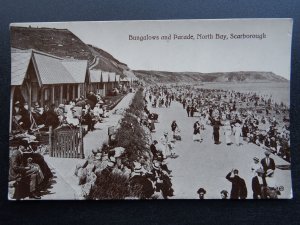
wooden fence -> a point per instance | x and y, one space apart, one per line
66 142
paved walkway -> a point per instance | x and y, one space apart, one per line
206 164
96 138
65 185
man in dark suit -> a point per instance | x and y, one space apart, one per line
188 110
238 189
156 154
267 162
19 170
216 128
256 186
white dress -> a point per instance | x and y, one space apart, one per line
237 134
227 130
166 146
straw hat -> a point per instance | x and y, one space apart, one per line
256 159
156 165
138 169
259 171
98 156
270 173
94 151
110 164
237 124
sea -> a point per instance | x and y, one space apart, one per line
277 91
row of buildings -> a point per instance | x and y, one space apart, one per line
47 79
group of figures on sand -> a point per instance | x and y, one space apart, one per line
227 115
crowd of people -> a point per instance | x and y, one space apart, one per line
255 119
27 165
151 177
85 111
247 117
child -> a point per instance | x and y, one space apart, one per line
34 168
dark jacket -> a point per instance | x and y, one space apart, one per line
256 188
196 128
51 119
156 154
238 189
270 166
174 126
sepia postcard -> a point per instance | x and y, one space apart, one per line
170 109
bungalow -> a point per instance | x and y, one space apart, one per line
124 82
102 82
112 81
95 85
40 77
105 81
130 77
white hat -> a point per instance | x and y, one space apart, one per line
110 164
270 173
98 156
156 165
112 159
138 169
134 173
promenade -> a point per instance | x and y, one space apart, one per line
65 184
206 164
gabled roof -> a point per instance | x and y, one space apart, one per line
51 70
77 69
20 60
95 76
130 75
117 78
105 77
125 79
112 77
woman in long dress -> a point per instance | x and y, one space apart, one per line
227 131
237 133
196 133
166 145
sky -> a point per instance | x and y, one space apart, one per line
272 54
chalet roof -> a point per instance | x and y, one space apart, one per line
77 69
117 78
95 76
51 69
105 77
130 75
112 76
20 60
125 79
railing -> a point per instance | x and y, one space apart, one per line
66 142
